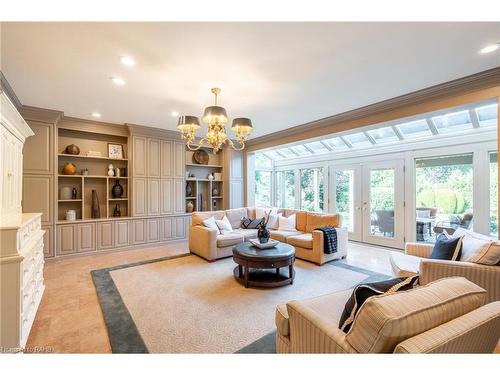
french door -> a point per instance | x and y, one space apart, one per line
370 198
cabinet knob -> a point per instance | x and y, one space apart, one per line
10 174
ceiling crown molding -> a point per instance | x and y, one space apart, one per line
7 88
475 82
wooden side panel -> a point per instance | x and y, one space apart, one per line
139 203
39 149
138 232
179 196
154 200
154 157
153 230
167 159
66 239
167 197
86 237
105 235
179 160
38 197
166 228
139 147
122 235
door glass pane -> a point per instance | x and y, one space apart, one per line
285 189
312 189
262 188
344 197
443 188
382 202
494 194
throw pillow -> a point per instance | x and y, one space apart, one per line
210 223
287 223
247 223
224 225
447 248
263 211
478 248
364 291
273 221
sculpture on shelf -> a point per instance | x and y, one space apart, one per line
189 190
117 212
210 176
69 169
189 206
72 150
96 210
111 170
117 190
73 193
215 192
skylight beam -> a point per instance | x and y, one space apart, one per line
370 138
309 149
431 126
348 144
398 133
327 146
474 119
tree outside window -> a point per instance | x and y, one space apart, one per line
262 188
312 189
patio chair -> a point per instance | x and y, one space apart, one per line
385 221
453 223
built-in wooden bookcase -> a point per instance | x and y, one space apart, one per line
207 194
97 177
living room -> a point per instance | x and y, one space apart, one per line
155 203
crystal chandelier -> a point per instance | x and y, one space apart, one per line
216 119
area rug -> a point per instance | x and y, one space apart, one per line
187 305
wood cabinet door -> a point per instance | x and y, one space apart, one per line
122 235
86 237
139 147
179 160
38 197
138 232
154 157
105 235
180 227
38 151
139 203
166 159
179 196
166 228
48 242
66 239
167 197
153 230
154 200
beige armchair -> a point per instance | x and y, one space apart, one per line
446 316
415 260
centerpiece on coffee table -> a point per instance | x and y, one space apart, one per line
263 233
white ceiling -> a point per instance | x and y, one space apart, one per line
278 74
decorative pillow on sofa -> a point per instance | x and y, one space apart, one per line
287 223
210 223
447 248
224 225
364 291
247 223
478 248
273 221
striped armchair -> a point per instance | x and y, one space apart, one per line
415 260
445 316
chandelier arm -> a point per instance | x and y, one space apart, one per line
231 143
196 146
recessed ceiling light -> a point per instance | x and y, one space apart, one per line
118 81
125 60
175 113
489 48
96 114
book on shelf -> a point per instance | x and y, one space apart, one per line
94 153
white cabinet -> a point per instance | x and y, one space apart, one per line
139 147
154 200
153 232
167 197
167 228
179 196
138 232
105 235
21 236
154 157
179 160
166 159
122 238
67 241
139 202
86 237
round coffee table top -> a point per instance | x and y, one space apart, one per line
280 251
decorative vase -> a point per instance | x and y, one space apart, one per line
189 206
215 192
71 215
85 172
72 149
96 211
263 234
65 193
211 177
117 190
189 190
73 193
69 169
111 170
117 212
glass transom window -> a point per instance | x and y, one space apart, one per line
358 139
301 150
383 135
487 115
286 152
317 147
453 122
414 129
336 143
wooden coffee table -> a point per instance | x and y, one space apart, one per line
261 268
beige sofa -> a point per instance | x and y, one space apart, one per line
308 243
445 316
415 260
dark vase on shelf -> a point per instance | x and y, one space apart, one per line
189 190
96 211
263 234
117 190
117 212
73 193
